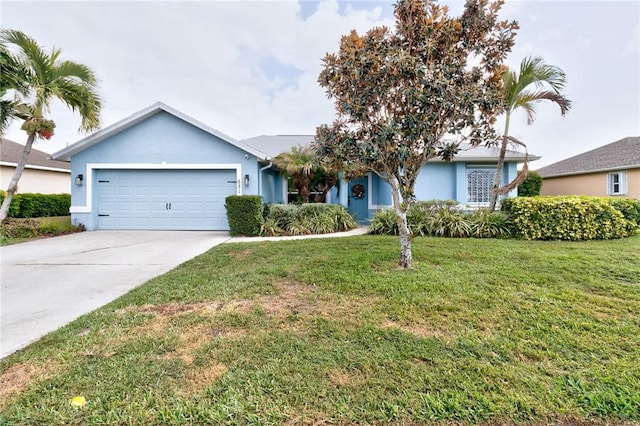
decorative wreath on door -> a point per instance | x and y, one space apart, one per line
357 191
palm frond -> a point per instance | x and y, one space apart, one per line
48 78
528 99
519 93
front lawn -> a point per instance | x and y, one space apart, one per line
328 331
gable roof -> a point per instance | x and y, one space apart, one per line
10 153
277 144
621 154
137 117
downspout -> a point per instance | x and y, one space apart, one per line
268 166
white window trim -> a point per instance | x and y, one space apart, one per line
91 167
622 182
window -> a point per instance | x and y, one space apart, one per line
617 183
479 184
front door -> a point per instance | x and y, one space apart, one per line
359 198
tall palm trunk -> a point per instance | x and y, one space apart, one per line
13 185
500 166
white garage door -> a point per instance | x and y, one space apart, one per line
164 199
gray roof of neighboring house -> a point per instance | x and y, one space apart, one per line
617 155
277 144
137 117
10 153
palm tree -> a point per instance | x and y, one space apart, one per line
13 77
300 164
548 82
36 79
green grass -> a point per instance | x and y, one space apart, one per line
329 331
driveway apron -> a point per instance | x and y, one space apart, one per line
49 283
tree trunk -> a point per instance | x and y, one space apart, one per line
403 227
13 185
304 193
405 242
302 185
500 165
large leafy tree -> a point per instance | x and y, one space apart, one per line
398 93
34 79
536 82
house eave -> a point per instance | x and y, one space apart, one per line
32 167
94 139
589 172
482 159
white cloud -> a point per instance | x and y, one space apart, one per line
250 68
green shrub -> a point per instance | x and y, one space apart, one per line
384 221
566 218
38 205
281 214
531 185
20 229
303 219
443 218
420 218
15 230
244 213
433 206
451 223
629 207
487 224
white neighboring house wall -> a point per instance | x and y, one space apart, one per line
35 179
41 174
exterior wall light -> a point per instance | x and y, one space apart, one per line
246 180
79 179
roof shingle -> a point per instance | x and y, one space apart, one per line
10 152
617 155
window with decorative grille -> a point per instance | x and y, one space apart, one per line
479 183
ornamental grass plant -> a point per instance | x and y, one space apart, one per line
305 219
443 218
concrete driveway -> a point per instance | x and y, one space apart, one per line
49 283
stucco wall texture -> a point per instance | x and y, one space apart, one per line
594 184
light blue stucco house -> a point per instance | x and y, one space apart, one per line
161 169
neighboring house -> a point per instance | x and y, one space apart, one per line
41 174
611 170
161 169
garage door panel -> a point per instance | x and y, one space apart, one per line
125 190
106 190
164 199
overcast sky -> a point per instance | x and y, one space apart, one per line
249 68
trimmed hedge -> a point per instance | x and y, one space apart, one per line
244 214
629 207
571 217
38 205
